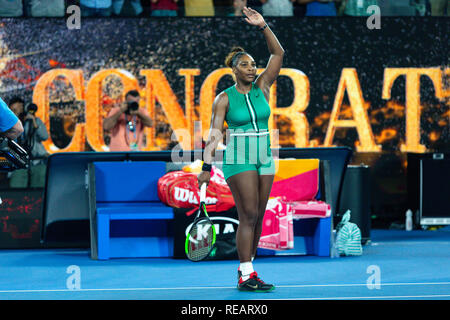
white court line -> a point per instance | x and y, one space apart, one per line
111 289
407 243
365 284
228 287
372 297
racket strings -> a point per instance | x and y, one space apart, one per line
200 240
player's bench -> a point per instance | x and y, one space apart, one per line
127 218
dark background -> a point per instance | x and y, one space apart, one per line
319 47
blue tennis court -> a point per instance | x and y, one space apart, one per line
395 265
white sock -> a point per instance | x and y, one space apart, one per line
239 268
246 269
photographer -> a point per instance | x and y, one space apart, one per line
126 124
34 132
10 125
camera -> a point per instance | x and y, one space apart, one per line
132 106
31 108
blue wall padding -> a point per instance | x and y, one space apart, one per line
138 181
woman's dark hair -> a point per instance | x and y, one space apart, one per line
233 57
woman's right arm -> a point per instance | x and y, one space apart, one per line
219 111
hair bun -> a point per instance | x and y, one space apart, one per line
237 49
229 58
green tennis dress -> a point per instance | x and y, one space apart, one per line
248 137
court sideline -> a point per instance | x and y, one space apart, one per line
396 265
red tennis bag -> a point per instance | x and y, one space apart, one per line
180 189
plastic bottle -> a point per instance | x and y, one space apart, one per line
409 220
334 247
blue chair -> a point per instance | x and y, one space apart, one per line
127 218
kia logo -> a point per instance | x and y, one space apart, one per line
222 225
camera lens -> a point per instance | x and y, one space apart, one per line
32 108
133 106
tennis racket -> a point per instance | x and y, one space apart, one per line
201 237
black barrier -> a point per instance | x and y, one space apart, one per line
413 175
428 188
355 196
434 191
66 207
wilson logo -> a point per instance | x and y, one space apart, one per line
185 195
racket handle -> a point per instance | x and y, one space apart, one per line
203 192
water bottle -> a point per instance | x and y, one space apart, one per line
409 220
334 247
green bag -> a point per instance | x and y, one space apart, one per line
348 237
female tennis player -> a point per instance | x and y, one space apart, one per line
248 165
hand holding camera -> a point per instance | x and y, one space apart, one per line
130 107
29 114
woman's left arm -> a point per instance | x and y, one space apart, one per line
270 74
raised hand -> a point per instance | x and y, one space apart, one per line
253 17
